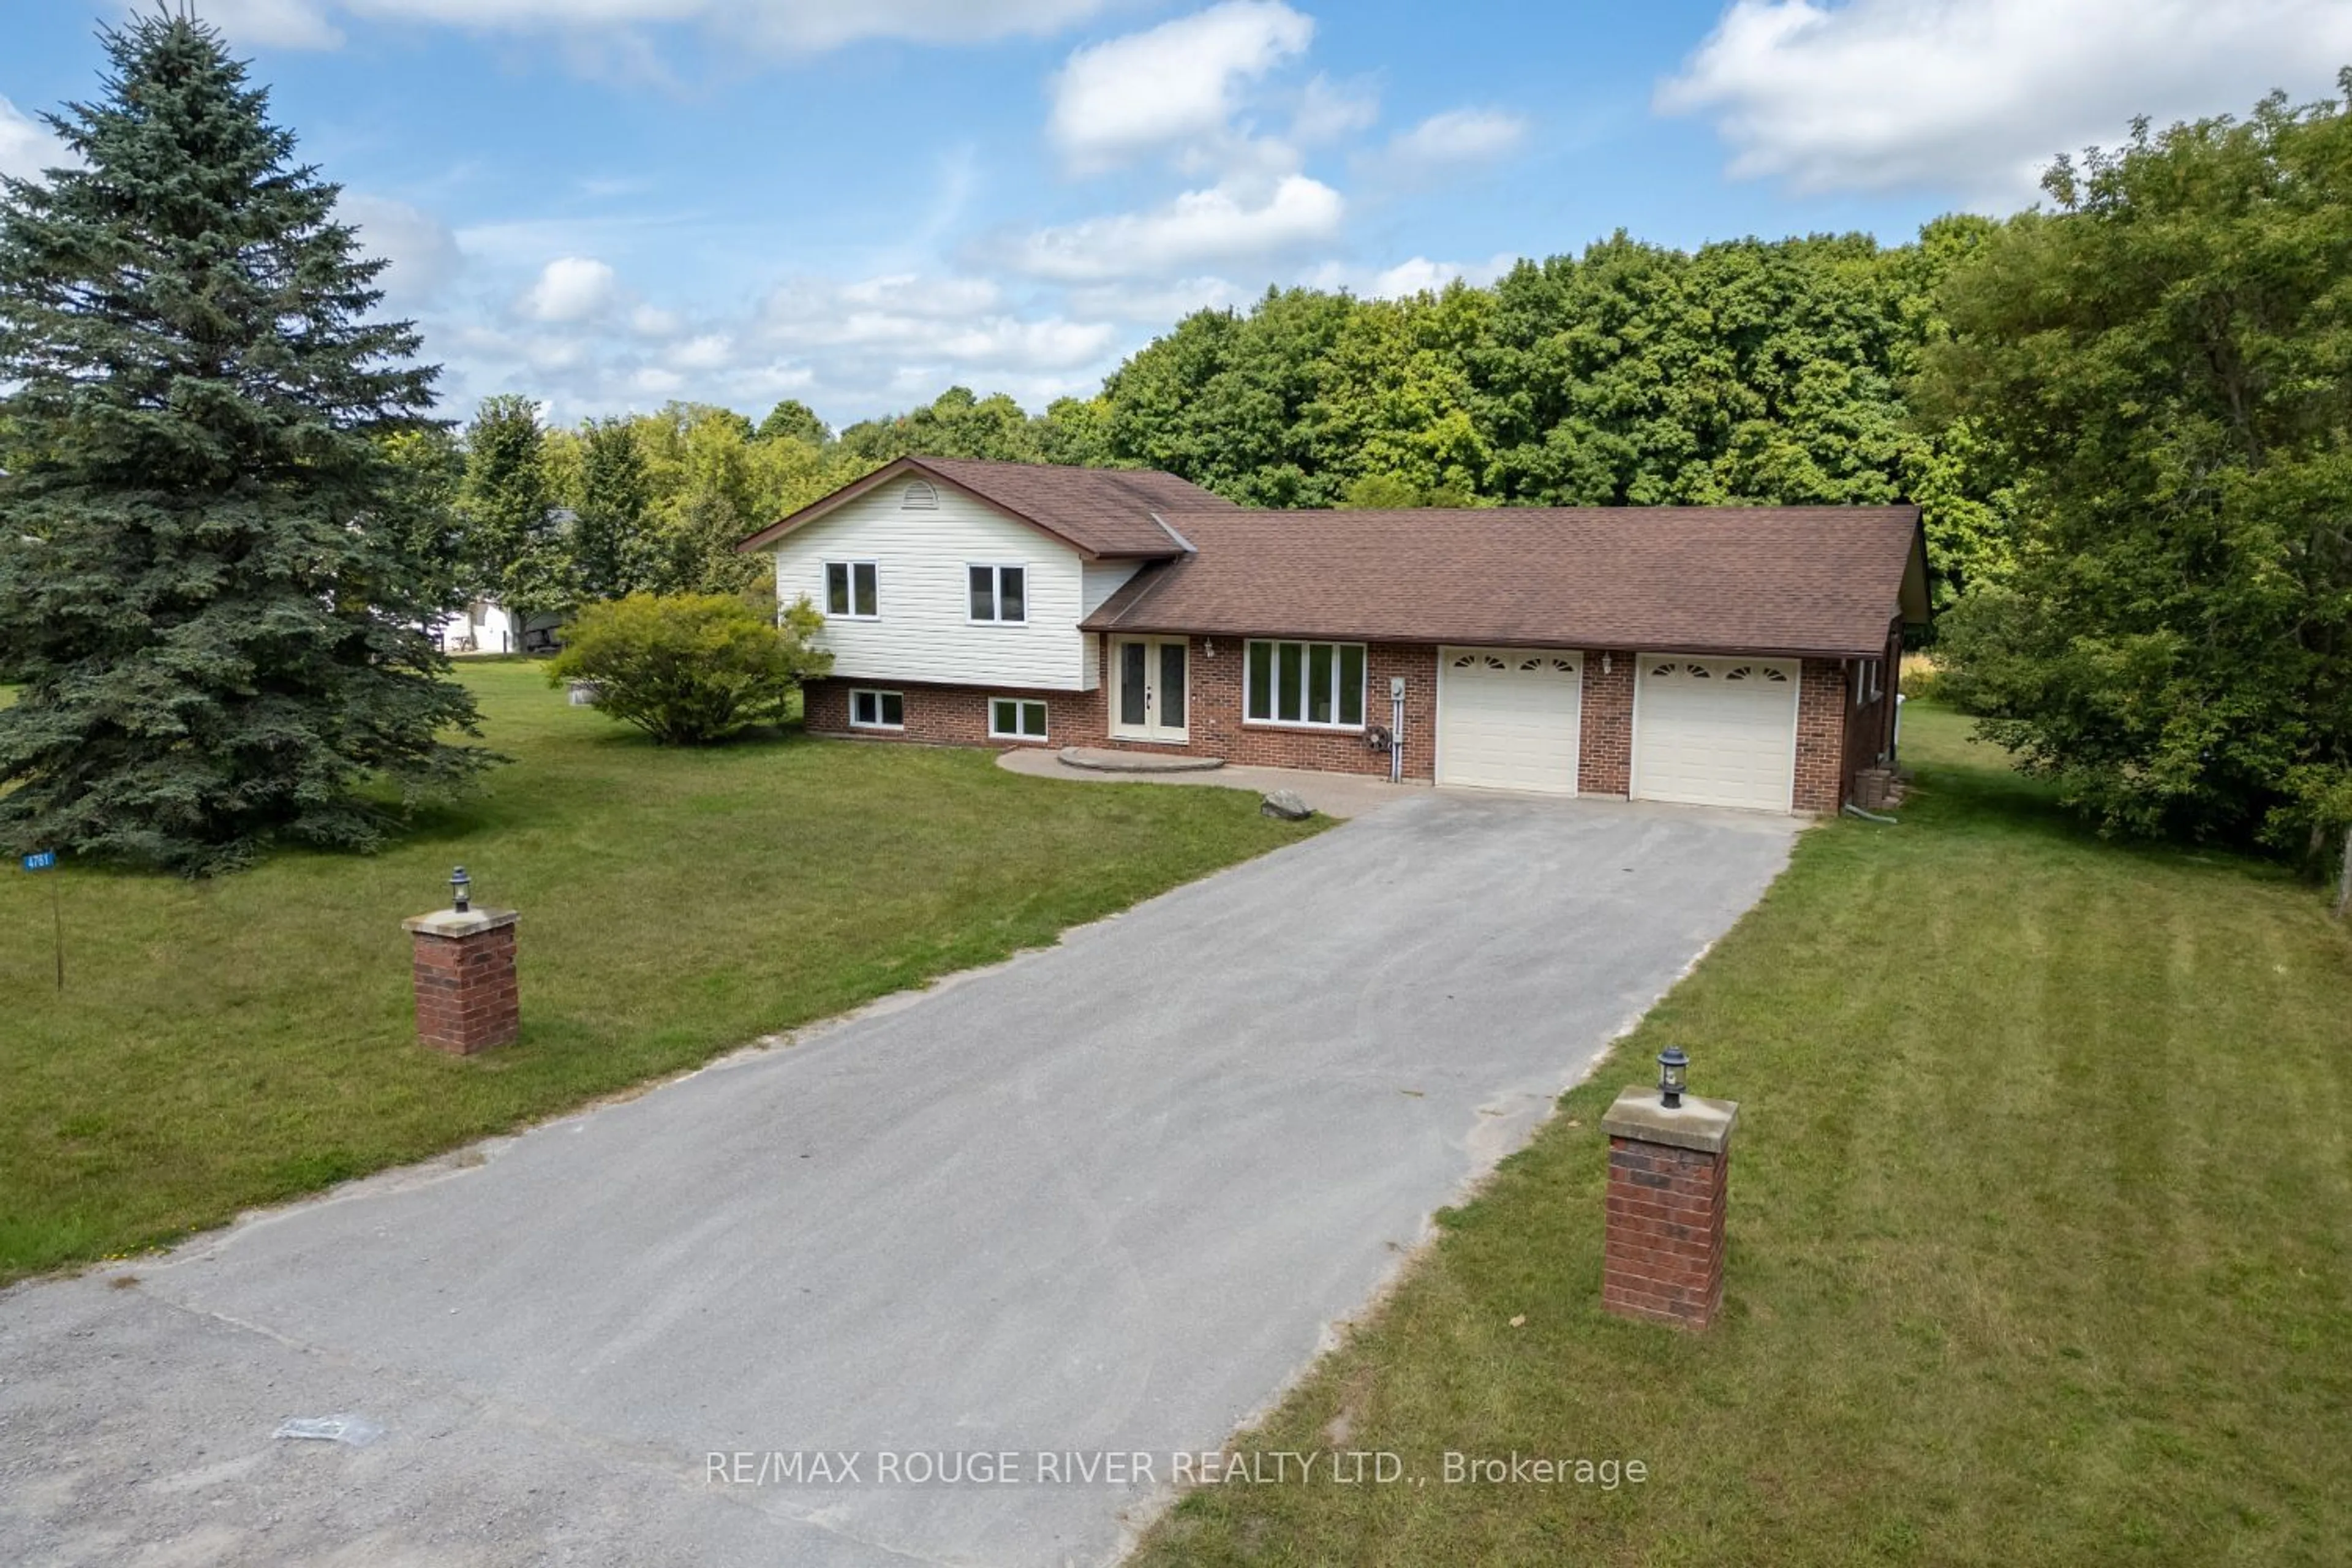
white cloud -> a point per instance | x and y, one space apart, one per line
1155 305
1457 138
711 351
26 147
789 26
1420 275
422 252
923 299
1329 111
1975 96
653 322
1197 227
1177 82
274 23
955 318
569 288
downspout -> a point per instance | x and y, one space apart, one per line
1396 729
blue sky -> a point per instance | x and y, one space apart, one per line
606 203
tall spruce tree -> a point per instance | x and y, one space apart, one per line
217 621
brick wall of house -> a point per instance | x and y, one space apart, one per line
1870 726
1606 764
953 715
1822 777
1214 727
957 716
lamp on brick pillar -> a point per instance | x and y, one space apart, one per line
1669 1169
462 960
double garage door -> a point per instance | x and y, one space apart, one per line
1708 731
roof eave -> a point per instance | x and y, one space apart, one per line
766 538
1154 626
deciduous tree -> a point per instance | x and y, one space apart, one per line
2167 358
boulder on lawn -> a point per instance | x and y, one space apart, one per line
582 693
1285 804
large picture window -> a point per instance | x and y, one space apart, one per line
850 590
999 593
1319 684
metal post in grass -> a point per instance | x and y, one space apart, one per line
463 964
1669 1176
46 860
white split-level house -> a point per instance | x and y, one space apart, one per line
1733 656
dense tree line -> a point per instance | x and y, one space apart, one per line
1634 374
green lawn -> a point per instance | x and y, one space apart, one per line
229 1043
2041 1239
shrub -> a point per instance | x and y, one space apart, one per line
1920 676
693 668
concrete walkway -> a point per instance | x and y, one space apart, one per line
1333 795
1109 1196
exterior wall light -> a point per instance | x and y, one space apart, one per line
461 891
1672 1066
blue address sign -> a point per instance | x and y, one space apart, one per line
43 861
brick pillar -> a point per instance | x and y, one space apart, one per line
1668 1170
465 968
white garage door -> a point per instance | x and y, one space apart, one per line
1507 718
1716 731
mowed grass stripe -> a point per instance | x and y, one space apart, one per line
2041 1238
236 1042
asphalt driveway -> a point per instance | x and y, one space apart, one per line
1107 1197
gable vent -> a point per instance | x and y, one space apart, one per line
921 496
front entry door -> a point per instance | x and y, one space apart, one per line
1148 689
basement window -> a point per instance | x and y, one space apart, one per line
1320 685
1016 719
877 710
850 590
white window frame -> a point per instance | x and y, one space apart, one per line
996 569
877 722
1020 705
852 613
1305 647
1151 730
1868 682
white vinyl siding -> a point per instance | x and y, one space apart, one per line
1103 578
925 632
1716 731
1509 718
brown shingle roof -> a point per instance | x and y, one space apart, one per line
1102 511
1820 581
